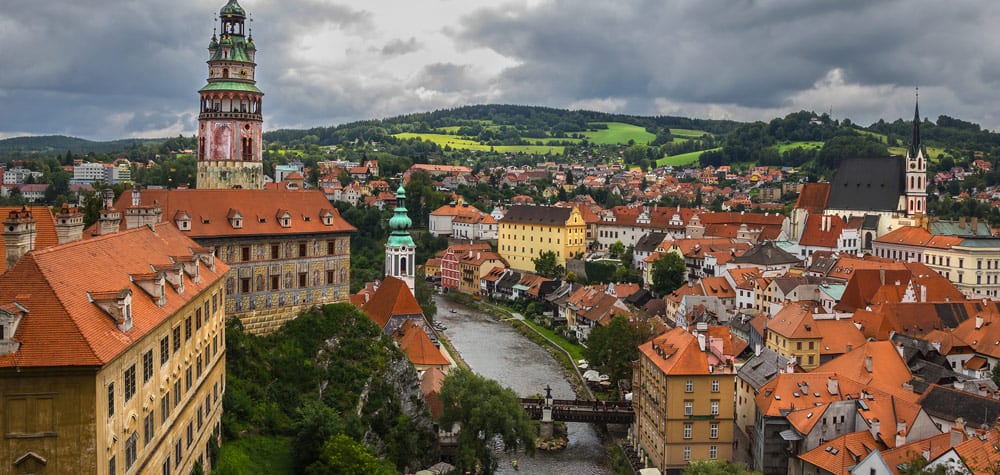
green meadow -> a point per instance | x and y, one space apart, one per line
684 158
619 133
454 141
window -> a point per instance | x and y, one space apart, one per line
687 453
215 345
148 428
198 366
329 276
715 385
245 253
111 465
177 393
164 350
130 451
713 431
147 366
687 430
215 304
715 407
187 328
688 407
275 282
177 453
165 408
129 383
798 345
177 338
302 279
330 247
713 451
275 251
166 466
187 378
245 285
197 319
302 249
111 399
207 314
200 417
689 386
811 344
190 434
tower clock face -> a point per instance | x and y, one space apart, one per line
243 73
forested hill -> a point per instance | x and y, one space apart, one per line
529 121
56 144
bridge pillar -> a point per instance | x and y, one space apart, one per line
545 427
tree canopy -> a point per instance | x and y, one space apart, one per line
614 347
547 266
668 273
487 414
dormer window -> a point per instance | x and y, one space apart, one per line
284 218
183 220
326 216
235 218
117 304
10 317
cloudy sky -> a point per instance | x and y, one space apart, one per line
104 69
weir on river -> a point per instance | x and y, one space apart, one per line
497 351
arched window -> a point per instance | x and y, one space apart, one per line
225 72
868 240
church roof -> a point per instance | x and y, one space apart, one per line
393 297
873 184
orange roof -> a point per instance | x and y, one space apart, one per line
839 455
677 352
456 210
45 224
918 236
934 445
888 372
430 384
795 321
985 339
63 327
418 346
393 297
717 287
209 210
980 454
822 231
813 197
839 336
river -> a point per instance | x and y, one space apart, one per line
497 351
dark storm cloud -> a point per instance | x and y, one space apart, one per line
398 46
754 54
447 77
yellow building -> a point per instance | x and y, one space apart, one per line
527 231
683 396
112 355
793 333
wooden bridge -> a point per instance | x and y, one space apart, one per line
580 411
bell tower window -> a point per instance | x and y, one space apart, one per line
225 73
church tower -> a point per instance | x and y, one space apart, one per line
230 122
916 170
400 249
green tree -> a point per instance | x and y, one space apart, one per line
717 467
487 413
668 273
614 347
341 455
617 249
547 266
424 294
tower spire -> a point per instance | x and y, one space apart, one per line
400 248
916 121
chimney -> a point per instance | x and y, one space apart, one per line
923 293
701 341
974 225
18 235
832 386
979 321
110 218
957 436
69 224
961 222
868 363
876 426
136 198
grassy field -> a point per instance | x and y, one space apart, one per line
806 145
934 152
683 159
619 133
256 454
688 133
454 141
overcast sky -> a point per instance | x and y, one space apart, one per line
104 69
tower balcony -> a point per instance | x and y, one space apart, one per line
230 115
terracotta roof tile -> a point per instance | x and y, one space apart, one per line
45 224
63 327
393 297
413 340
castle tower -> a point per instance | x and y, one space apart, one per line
400 249
916 170
230 121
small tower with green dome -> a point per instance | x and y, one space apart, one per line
399 248
230 123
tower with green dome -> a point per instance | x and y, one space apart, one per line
399 248
230 122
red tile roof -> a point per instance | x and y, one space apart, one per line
393 297
210 208
418 346
822 231
813 197
45 224
63 327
